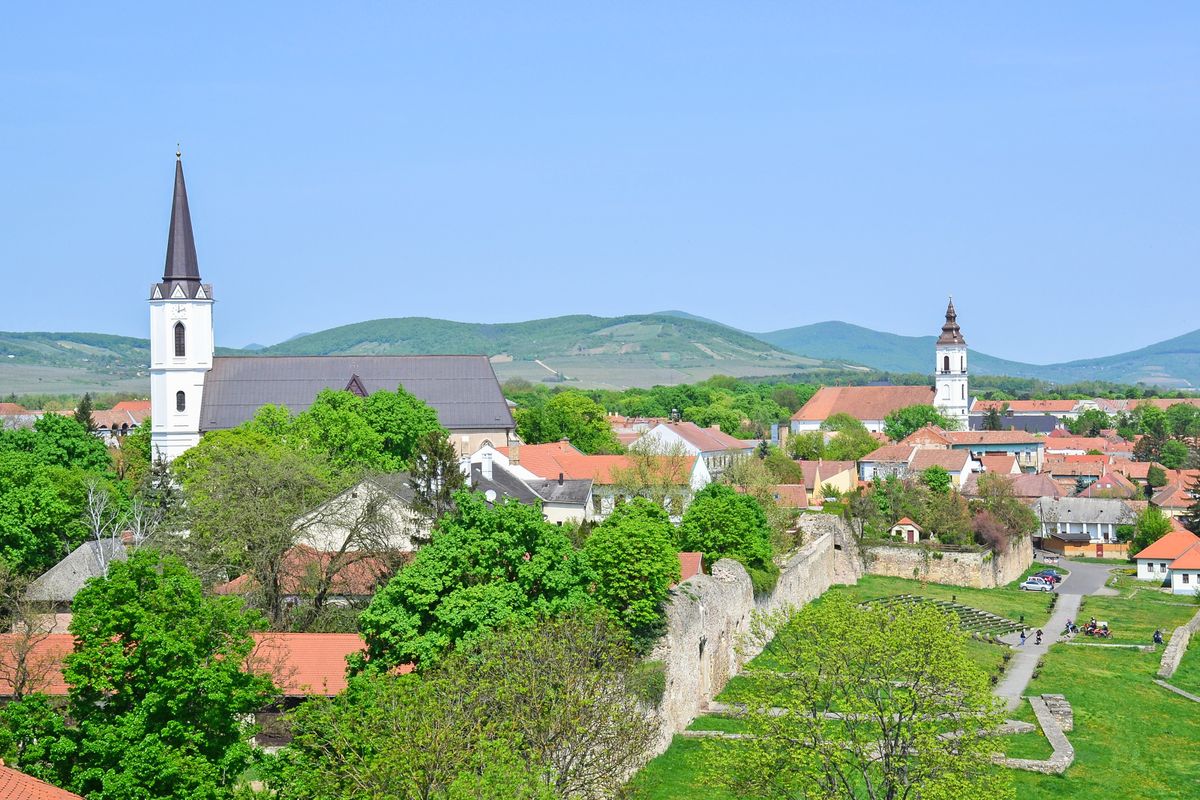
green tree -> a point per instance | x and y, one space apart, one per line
1184 420
782 468
993 420
1156 476
1173 454
852 440
1089 423
1191 518
721 523
158 687
808 446
83 413
136 456
60 441
881 702
570 415
484 568
994 494
402 421
41 511
336 425
904 421
936 479
434 475
1151 525
635 561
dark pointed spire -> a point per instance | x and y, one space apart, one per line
181 245
950 331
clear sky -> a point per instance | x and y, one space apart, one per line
765 164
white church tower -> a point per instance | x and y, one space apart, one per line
181 336
950 371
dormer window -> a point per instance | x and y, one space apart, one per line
180 348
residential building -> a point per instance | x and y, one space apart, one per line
718 449
867 404
1185 573
1113 485
904 460
1060 410
1154 563
841 476
561 500
1028 450
1001 463
1083 526
1174 499
55 589
193 392
908 530
1076 445
1027 487
1031 424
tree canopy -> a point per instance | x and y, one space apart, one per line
723 523
569 415
904 421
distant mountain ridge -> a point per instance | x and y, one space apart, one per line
635 350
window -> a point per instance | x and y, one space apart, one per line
1187 578
180 350
1163 566
962 363
596 503
180 401
945 363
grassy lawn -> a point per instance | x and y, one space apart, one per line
1133 739
1187 677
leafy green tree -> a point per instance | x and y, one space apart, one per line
484 568
158 688
83 413
569 415
1184 420
994 494
336 425
993 420
1151 525
936 479
1089 423
634 559
721 523
434 475
1156 477
807 446
852 442
1191 518
402 421
41 512
782 468
904 421
60 441
1173 454
945 515
135 455
880 702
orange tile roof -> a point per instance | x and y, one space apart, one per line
1027 406
1173 495
19 786
690 565
707 440
1112 483
952 461
991 437
827 470
44 662
1085 443
1000 462
862 402
548 460
1171 545
12 408
1190 559
891 452
1166 402
357 578
907 521
133 405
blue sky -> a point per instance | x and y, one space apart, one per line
765 164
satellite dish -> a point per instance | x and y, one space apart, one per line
490 494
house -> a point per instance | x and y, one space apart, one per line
1185 572
629 429
1154 562
16 785
718 449
1061 410
353 577
613 477
908 530
56 588
904 460
1075 445
1112 484
1000 463
1042 424
1026 486
376 514
1174 499
561 500
1027 449
842 476
868 404
1083 526
690 565
193 392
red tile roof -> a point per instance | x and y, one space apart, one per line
891 453
12 408
991 437
1027 406
1170 546
707 440
1000 462
548 460
1112 484
1166 402
133 405
1173 495
690 565
862 402
19 786
1084 443
907 521
827 470
1190 559
44 662
302 563
953 461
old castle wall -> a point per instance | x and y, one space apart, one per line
979 570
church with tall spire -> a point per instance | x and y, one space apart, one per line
951 396
181 335
193 391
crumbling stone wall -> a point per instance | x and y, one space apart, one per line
709 616
1178 645
978 570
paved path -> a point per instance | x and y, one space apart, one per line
1084 579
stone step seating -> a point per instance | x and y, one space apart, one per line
972 620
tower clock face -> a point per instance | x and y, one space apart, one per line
178 312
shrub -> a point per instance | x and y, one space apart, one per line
720 523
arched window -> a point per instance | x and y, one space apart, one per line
180 350
945 359
964 391
962 363
180 401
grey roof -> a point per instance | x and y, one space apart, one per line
62 582
1083 509
506 484
1041 423
182 269
462 389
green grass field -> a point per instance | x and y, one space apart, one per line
1134 740
1187 677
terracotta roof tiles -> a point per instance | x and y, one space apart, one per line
862 402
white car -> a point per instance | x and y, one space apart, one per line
1036 585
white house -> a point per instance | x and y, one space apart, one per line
718 449
909 530
1172 561
1083 526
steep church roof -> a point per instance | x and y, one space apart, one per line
950 331
181 273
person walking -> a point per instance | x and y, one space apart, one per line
1038 640
1022 644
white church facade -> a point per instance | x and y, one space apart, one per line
193 391
951 397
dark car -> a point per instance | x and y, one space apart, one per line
1051 575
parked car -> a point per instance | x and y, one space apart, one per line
1052 574
1037 585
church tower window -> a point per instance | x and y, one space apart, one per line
945 363
180 343
180 401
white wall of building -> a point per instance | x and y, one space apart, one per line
173 431
1185 581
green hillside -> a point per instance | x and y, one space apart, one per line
603 351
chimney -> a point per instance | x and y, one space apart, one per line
714 427
514 452
560 479
487 466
